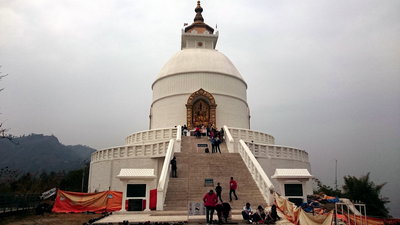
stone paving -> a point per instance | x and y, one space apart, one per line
169 217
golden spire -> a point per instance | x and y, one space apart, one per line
198 23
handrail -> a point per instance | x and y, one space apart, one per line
277 151
356 216
164 178
150 136
179 133
264 184
229 140
178 138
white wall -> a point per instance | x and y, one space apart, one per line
171 111
103 174
191 82
269 166
170 96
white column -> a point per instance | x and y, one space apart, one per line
147 197
123 195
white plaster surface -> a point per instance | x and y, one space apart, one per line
269 166
186 72
198 59
189 82
171 111
103 174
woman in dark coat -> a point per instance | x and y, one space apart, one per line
272 215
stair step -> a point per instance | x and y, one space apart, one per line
195 165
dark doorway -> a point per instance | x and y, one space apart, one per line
137 191
135 204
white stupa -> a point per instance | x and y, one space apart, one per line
198 86
199 75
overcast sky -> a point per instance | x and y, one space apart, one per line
323 76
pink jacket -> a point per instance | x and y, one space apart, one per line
210 199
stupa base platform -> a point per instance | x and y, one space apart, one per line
171 217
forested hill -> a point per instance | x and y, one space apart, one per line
41 153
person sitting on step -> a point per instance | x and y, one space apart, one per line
272 216
259 215
247 213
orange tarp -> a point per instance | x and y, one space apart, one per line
106 201
371 220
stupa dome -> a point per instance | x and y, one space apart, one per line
191 60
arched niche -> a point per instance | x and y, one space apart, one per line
201 109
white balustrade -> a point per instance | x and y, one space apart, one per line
250 135
230 142
264 184
164 176
131 151
277 152
149 136
178 139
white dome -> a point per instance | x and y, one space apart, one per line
199 60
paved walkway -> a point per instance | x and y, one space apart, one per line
169 217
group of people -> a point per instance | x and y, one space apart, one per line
209 131
223 208
215 142
260 216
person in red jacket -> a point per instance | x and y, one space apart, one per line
210 201
232 188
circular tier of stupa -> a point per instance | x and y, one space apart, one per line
210 78
198 86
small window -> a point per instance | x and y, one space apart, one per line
136 190
293 190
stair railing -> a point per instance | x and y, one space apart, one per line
177 147
347 208
264 184
173 146
164 176
230 143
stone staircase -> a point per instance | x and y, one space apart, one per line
194 166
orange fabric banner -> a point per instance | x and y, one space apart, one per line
371 220
106 201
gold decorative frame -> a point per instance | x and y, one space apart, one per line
192 99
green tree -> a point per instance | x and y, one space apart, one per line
366 191
321 188
73 180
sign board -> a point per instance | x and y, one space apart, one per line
196 208
209 182
48 194
202 145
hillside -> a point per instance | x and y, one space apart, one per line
39 153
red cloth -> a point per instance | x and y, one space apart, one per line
210 199
233 184
106 201
153 199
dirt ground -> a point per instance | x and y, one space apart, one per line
48 219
